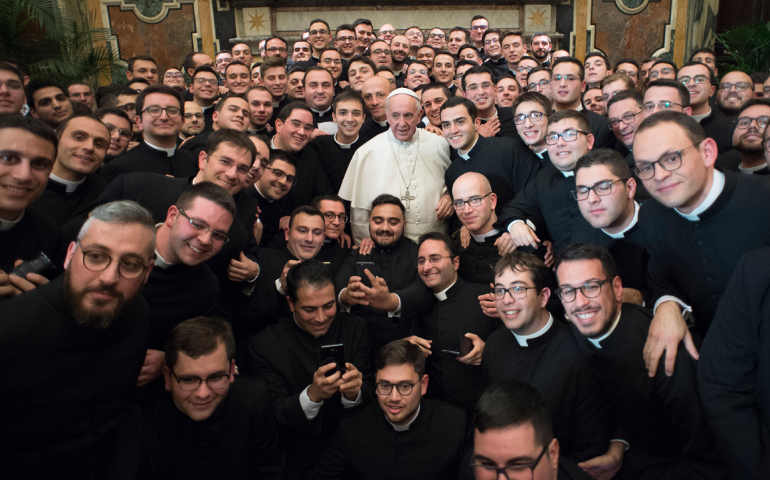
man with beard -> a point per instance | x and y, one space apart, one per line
540 45
379 53
399 52
242 53
752 120
82 335
392 270
204 87
120 126
735 89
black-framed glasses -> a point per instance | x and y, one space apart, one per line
386 388
669 162
534 116
737 86
432 259
626 118
516 291
602 188
663 71
512 471
330 216
157 110
217 382
320 31
696 80
745 122
97 260
473 201
202 226
280 175
542 83
569 135
123 132
589 290
663 105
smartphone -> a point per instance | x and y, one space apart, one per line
37 265
368 265
466 345
454 353
334 353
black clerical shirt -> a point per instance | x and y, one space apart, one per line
27 238
333 157
61 205
144 158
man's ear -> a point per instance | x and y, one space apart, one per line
70 252
424 384
709 151
203 158
166 377
553 454
544 294
590 139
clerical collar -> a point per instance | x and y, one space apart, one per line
717 185
69 185
405 427
467 154
622 233
702 116
6 225
540 153
567 173
523 340
161 262
272 143
344 146
597 342
441 296
169 151
321 113
267 199
751 170
381 123
481 237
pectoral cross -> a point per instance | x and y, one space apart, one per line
407 199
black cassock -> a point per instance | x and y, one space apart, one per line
144 158
333 158
61 206
25 240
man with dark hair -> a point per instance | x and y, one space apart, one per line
443 71
142 66
625 113
260 102
628 67
660 417
458 36
493 52
345 41
479 25
11 89
432 97
364 34
479 87
530 117
204 87
241 52
320 37
752 120
513 49
120 126
230 112
596 67
359 70
735 89
662 70
193 60
707 57
541 45
310 393
701 83
276 178
426 436
237 78
207 400
87 328
536 348
319 93
48 102
332 207
274 78
276 47
83 93
295 83
666 95
159 110
512 424
399 52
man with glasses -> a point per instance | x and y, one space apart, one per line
702 84
699 211
747 136
437 39
160 113
662 70
345 41
335 218
525 65
539 80
380 54
89 328
221 61
661 417
536 348
625 112
331 61
735 89
120 126
612 85
663 95
424 434
193 120
301 52
319 37
205 396
530 117
276 47
386 32
479 25
275 179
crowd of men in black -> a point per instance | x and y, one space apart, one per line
180 294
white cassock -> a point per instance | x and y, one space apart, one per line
412 171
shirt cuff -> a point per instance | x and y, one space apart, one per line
309 407
278 286
345 307
671 298
397 311
528 222
626 445
351 403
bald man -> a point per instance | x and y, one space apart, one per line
374 92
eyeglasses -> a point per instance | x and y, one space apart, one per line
479 27
156 110
697 80
568 78
568 135
737 86
626 118
97 260
662 105
512 471
541 83
198 224
123 132
534 116
745 122
128 107
173 74
301 49
628 73
206 81
318 32
381 51
432 259
663 71
601 189
436 35
474 201
330 216
280 175
217 382
669 162
516 291
12 84
403 388
491 41
524 69
589 290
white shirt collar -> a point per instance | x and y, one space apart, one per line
69 185
321 112
761 166
523 340
169 151
344 146
483 236
466 155
597 342
622 233
161 262
717 185
441 296
405 427
567 173
702 116
272 143
540 153
381 123
6 225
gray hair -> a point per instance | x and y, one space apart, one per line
121 211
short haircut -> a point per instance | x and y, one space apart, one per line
307 210
276 37
479 17
36 85
439 86
527 57
460 29
63 125
440 237
347 95
146 58
584 251
579 117
331 197
703 50
691 127
712 77
287 110
540 68
478 69
199 336
421 47
345 26
581 69
492 31
211 192
31 125
540 34
400 352
234 137
158 89
205 68
103 112
597 53
387 199
224 98
512 33
362 21
507 76
120 212
279 155
684 94
666 62
754 102
319 20
633 94
317 69
8 67
518 261
511 404
467 46
627 60
271 62
618 77
235 63
139 80
609 158
536 97
361 59
457 101
307 273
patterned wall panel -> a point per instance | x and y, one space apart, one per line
631 28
